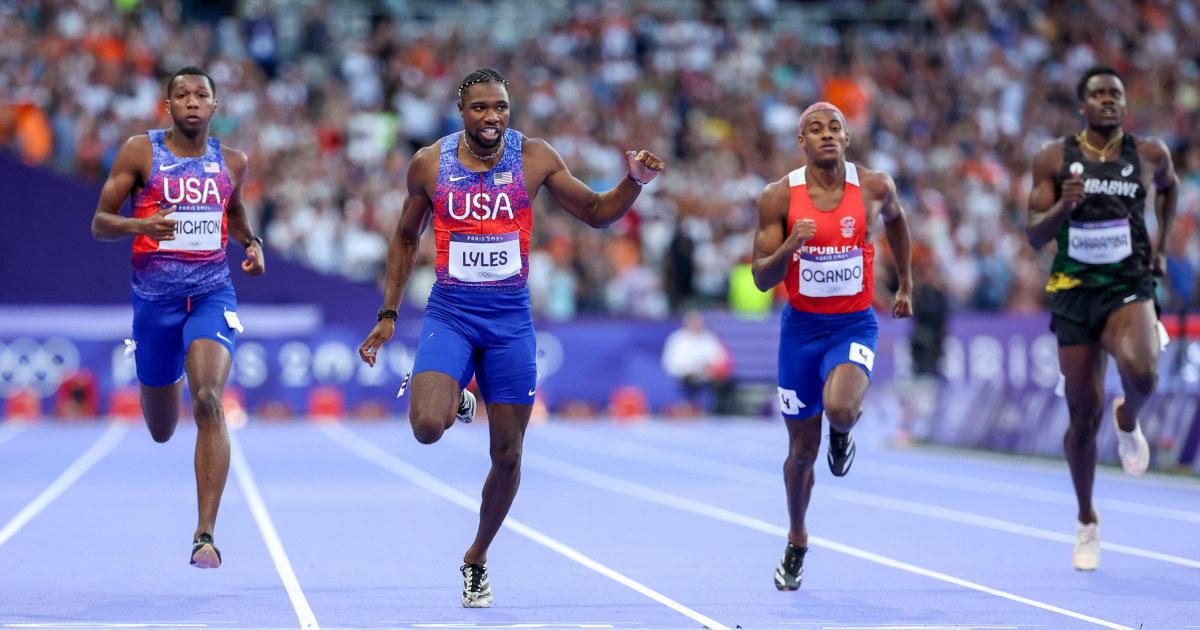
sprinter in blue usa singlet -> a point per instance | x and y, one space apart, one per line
476 186
187 204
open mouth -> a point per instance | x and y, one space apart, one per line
490 133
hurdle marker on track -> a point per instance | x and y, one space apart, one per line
351 442
241 469
95 453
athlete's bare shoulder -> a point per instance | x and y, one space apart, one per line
776 196
423 169
235 160
135 156
1152 149
878 185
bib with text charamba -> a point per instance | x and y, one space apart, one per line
197 228
1099 242
484 257
830 275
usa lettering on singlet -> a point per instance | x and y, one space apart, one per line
198 188
833 271
482 220
1104 243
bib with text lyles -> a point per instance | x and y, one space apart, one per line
197 228
1099 242
484 257
830 275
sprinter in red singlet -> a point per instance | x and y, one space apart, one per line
815 231
187 204
477 185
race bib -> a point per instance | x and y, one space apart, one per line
195 231
831 275
484 257
1099 242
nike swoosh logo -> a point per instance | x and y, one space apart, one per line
225 338
167 167
532 391
455 179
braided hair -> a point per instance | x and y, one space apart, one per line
482 75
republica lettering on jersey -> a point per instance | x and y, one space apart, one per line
192 190
479 206
1111 187
822 250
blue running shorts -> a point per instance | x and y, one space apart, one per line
811 345
485 334
164 329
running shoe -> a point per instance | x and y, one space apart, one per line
205 554
1087 547
841 452
477 590
1131 445
466 407
791 568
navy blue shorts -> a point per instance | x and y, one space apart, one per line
485 334
811 345
164 329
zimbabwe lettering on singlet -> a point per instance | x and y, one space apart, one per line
1104 243
833 272
199 188
482 220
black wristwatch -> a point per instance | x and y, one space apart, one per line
388 313
253 237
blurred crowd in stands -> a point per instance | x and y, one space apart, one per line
330 99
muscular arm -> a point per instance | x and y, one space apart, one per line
1046 210
598 210
1166 183
126 173
773 247
402 248
414 216
239 223
235 212
882 187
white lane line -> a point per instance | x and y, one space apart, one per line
241 470
1018 491
620 486
735 472
10 429
389 462
95 453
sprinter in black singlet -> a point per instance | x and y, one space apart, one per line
1090 192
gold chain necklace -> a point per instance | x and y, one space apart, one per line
1103 153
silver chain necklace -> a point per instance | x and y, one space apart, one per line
478 157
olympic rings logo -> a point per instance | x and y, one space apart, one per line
27 364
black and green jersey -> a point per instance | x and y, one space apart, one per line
1104 243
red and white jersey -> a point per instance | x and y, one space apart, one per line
833 272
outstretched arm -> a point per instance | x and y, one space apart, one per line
1166 182
1047 210
595 209
107 223
402 249
773 247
